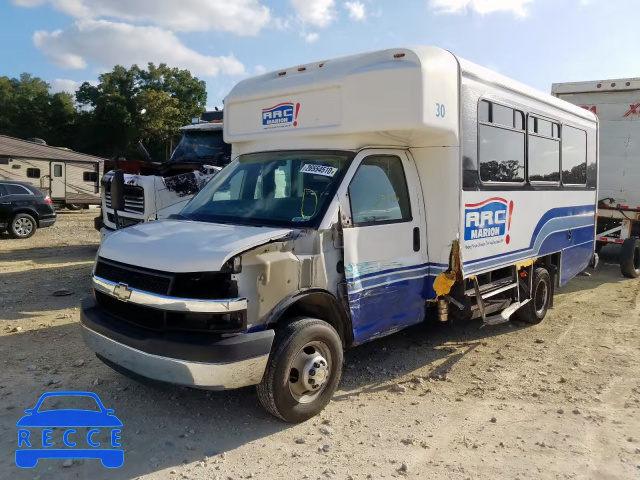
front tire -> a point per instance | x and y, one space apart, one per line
303 371
535 311
23 225
630 258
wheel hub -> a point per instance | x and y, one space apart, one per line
315 373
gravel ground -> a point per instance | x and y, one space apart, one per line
557 400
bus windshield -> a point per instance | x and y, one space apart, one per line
282 189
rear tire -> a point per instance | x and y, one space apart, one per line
535 311
286 390
23 225
630 258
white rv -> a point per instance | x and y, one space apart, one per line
617 105
200 154
412 183
71 179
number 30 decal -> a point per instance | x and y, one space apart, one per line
441 110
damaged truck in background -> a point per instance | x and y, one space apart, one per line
367 194
159 190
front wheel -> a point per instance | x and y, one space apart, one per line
535 311
23 225
630 258
303 371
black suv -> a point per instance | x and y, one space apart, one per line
24 209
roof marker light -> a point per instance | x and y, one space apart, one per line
398 55
599 85
302 69
628 84
282 74
321 65
613 84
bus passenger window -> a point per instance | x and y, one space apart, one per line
501 145
574 156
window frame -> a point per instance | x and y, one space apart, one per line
29 192
30 169
406 184
533 115
55 167
584 185
84 174
504 127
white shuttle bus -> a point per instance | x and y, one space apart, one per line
366 194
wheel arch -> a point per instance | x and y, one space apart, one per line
28 211
315 303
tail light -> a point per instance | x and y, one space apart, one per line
47 199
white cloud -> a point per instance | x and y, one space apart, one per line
65 85
483 7
259 69
356 9
311 37
243 17
319 13
108 43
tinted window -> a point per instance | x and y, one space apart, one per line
574 156
544 159
544 128
501 154
378 192
484 111
33 172
90 177
16 189
502 115
57 170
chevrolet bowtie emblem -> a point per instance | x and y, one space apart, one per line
122 291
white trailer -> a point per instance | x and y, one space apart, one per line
70 178
617 105
366 194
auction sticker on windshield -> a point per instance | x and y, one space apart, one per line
52 430
319 170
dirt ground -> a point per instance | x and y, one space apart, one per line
557 400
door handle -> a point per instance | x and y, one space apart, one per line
5 203
416 239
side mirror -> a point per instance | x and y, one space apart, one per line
117 190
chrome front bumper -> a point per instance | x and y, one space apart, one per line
216 376
173 304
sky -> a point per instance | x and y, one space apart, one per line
538 42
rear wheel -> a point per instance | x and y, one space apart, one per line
303 371
630 258
23 225
535 311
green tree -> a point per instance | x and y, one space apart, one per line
169 98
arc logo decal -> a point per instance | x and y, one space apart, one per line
488 219
282 115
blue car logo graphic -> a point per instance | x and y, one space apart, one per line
34 444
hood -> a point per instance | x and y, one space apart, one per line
184 246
